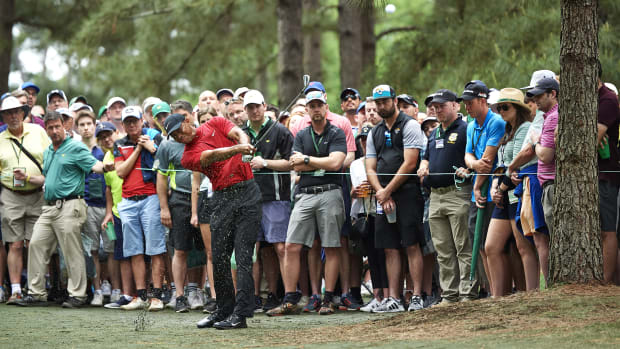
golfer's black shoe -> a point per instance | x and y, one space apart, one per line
210 320
232 322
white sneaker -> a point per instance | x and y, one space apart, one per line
392 305
106 288
172 304
367 288
416 303
156 304
97 299
115 296
372 305
136 304
194 300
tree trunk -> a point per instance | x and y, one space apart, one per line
350 37
290 55
7 12
312 42
369 44
575 254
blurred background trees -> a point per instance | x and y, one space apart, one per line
177 48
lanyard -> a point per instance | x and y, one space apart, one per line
440 134
479 136
316 146
17 155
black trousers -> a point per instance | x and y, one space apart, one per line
235 223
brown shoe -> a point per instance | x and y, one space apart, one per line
14 299
285 309
327 308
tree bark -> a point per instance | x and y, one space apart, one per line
7 14
312 43
369 44
575 253
350 37
290 55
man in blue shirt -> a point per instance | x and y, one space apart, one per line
484 134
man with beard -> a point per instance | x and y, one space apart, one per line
394 148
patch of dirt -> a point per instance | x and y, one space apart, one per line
566 307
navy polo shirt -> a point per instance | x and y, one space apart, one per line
444 150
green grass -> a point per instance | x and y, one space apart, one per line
566 317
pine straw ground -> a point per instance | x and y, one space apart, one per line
558 313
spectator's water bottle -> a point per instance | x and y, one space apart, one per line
109 229
603 151
391 217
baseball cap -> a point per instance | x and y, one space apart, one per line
149 102
475 89
131 112
65 112
383 91
5 95
79 106
161 107
114 100
407 99
315 95
222 91
60 93
429 119
173 122
361 106
253 97
349 91
364 131
537 76
314 86
240 91
543 85
442 96
612 87
102 110
28 84
76 99
104 126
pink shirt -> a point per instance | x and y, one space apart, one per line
546 172
339 121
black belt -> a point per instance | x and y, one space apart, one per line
184 194
59 202
549 182
316 189
238 185
137 197
24 192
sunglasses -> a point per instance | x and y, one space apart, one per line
231 101
352 96
504 107
388 139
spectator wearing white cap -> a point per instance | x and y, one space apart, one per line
57 99
115 107
22 200
147 112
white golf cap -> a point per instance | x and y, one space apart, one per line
149 102
79 106
65 112
114 100
537 76
131 112
240 91
612 87
253 97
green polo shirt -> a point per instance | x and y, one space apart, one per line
65 169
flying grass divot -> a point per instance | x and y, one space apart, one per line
141 323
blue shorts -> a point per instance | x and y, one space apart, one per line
118 243
274 223
142 226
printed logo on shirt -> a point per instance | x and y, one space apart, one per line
397 131
267 141
452 138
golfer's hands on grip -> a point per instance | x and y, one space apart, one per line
245 149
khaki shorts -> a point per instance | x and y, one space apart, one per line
92 229
322 213
19 213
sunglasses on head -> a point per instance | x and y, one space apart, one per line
231 101
504 107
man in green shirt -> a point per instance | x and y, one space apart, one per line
65 165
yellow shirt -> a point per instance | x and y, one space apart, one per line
35 140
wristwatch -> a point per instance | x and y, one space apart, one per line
264 163
306 160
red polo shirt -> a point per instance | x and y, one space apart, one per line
211 135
